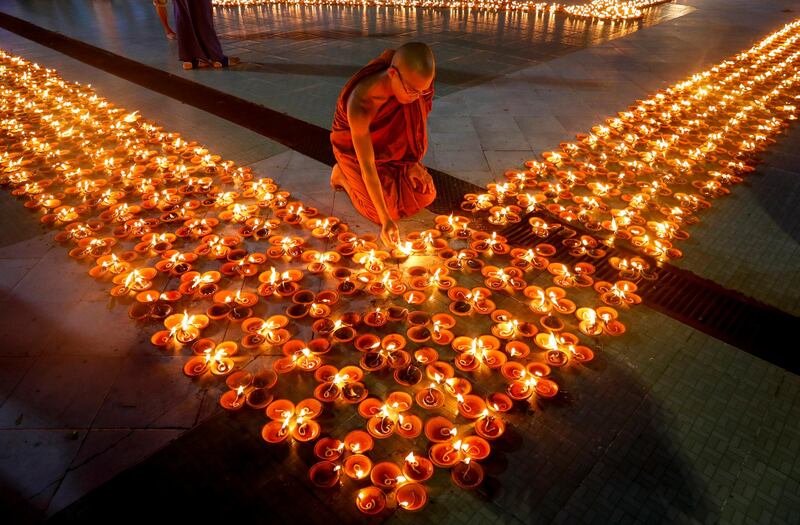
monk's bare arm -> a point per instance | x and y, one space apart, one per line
361 109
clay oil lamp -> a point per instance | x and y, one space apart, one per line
477 202
467 474
417 468
109 266
196 228
421 279
403 250
528 260
584 245
216 247
440 329
257 228
342 384
495 243
285 247
370 501
235 398
180 329
384 419
155 243
325 228
153 305
260 333
411 496
290 420
439 429
133 282
620 293
238 213
427 241
632 269
504 215
176 263
507 327
376 318
509 278
552 299
554 345
349 243
92 247
199 285
466 301
228 306
463 260
372 261
241 264
357 466
470 406
349 286
579 276
386 475
414 297
319 262
390 281
259 396
214 359
490 425
447 453
343 330
298 355
283 284
430 397
408 375
367 343
329 449
324 474
236 298
425 355
453 225
525 388
358 442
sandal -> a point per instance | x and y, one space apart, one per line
194 64
226 62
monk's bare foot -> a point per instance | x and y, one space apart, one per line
338 181
171 35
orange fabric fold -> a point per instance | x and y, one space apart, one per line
399 138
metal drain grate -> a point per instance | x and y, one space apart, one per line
757 328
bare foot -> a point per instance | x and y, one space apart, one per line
338 180
171 35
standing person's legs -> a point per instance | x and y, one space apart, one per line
203 22
190 49
161 9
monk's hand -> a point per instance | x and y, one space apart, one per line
390 234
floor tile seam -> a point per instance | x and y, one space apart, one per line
83 441
645 398
20 380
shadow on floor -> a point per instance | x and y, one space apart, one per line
619 452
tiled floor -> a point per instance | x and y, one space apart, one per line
670 426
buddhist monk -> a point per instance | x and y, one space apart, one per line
379 137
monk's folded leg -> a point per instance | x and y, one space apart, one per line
349 179
416 191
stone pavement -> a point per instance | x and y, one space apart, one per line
670 426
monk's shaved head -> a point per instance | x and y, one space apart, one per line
415 62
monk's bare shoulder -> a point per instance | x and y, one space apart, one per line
365 99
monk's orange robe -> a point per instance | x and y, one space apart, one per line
399 138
